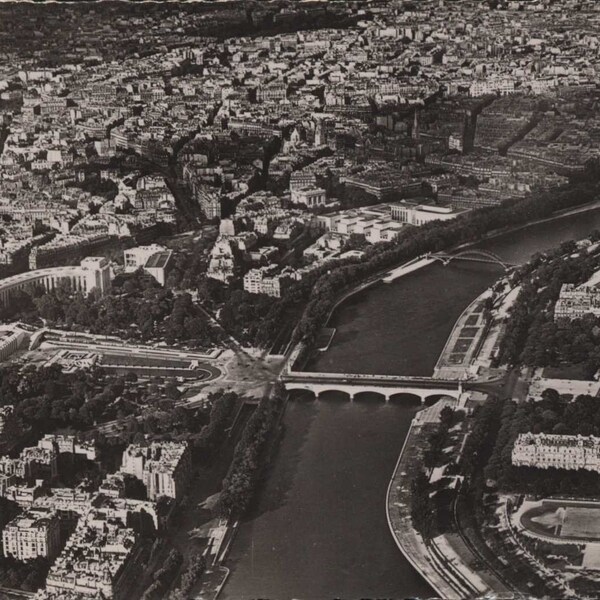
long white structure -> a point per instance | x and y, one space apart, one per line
385 386
92 273
420 214
576 301
545 451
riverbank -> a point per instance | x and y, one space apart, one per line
445 561
473 343
389 275
559 214
406 268
217 573
450 577
463 343
420 262
282 550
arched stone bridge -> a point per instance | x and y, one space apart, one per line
385 385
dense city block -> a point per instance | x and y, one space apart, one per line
188 193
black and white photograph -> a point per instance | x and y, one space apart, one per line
300 300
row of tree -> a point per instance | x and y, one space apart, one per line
480 441
422 507
438 440
195 568
250 453
163 578
430 503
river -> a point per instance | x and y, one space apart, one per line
318 529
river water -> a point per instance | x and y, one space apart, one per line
318 529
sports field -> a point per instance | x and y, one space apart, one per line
581 522
567 521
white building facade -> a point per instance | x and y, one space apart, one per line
545 451
33 533
574 302
92 273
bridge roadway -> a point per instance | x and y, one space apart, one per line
385 385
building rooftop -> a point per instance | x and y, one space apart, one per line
158 261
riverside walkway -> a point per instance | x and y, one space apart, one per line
451 579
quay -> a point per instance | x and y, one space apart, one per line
409 267
449 576
448 566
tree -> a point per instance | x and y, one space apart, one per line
560 429
171 390
422 509
447 416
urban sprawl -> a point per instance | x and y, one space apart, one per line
186 191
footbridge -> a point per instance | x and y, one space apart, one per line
483 256
387 386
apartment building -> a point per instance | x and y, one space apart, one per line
266 281
96 561
153 259
33 533
302 179
501 86
163 467
271 92
309 196
544 451
68 444
134 258
576 301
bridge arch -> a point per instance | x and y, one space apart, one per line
370 396
483 254
474 255
406 399
334 395
303 395
431 399
298 387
